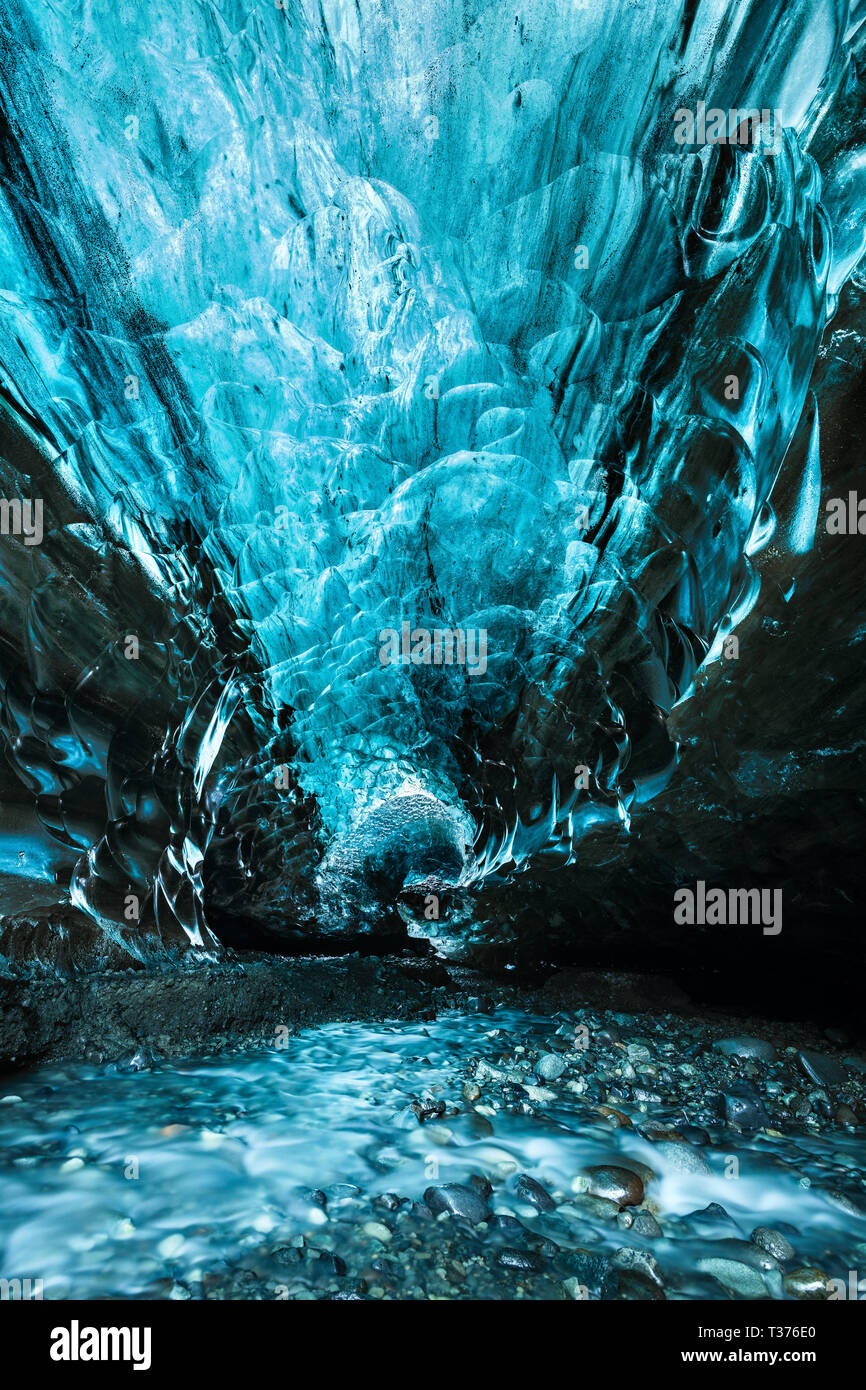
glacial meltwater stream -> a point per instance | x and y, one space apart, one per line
499 1154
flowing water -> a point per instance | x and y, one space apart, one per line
212 1175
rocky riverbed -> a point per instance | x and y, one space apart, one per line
493 1153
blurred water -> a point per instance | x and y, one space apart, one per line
112 1180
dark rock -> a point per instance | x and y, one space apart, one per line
509 1224
744 1107
695 1134
746 1047
774 1242
531 1191
421 1210
639 1262
520 1259
711 1219
826 1071
645 1224
594 1272
635 1287
287 1255
388 1201
482 1186
459 1200
428 1108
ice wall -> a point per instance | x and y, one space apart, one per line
322 323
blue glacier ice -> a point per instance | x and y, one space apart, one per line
319 320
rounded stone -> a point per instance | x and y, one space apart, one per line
616 1184
459 1200
549 1067
807 1283
773 1242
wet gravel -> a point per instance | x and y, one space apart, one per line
502 1155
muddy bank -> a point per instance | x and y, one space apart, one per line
242 1001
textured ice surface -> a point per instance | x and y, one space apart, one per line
321 319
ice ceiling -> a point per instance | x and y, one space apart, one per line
321 319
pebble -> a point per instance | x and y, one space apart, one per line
539 1094
531 1191
483 1186
740 1278
504 1222
428 1108
388 1201
459 1200
640 1262
808 1283
683 1157
747 1253
846 1202
584 1205
593 1271
575 1289
826 1071
616 1184
711 1219
549 1067
774 1242
377 1231
746 1047
646 1225
468 1129
695 1135
520 1259
744 1107
616 1117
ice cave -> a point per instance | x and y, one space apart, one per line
431 624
